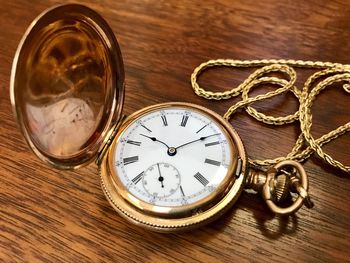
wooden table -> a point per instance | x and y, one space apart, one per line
62 216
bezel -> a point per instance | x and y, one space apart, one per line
166 218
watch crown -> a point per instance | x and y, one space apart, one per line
281 187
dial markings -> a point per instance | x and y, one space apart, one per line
202 127
137 178
171 188
201 179
211 143
184 120
133 142
164 119
213 162
130 160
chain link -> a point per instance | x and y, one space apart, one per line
306 144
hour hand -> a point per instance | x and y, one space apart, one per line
154 139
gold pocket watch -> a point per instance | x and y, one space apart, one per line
167 167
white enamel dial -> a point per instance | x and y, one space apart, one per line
172 157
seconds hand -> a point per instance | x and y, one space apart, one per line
160 178
200 139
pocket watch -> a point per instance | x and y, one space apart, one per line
168 167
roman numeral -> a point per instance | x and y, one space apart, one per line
133 142
184 120
137 178
210 161
129 160
165 122
201 179
211 144
182 191
202 127
143 126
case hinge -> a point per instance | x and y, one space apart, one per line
108 143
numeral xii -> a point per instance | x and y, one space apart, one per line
184 120
164 119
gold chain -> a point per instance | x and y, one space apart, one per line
306 144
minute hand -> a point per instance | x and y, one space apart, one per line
200 139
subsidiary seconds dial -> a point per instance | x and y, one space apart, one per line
172 157
161 180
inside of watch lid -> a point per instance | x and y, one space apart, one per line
65 87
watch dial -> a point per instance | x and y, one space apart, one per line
173 156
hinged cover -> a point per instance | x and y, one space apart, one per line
67 85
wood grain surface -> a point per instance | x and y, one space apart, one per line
47 215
